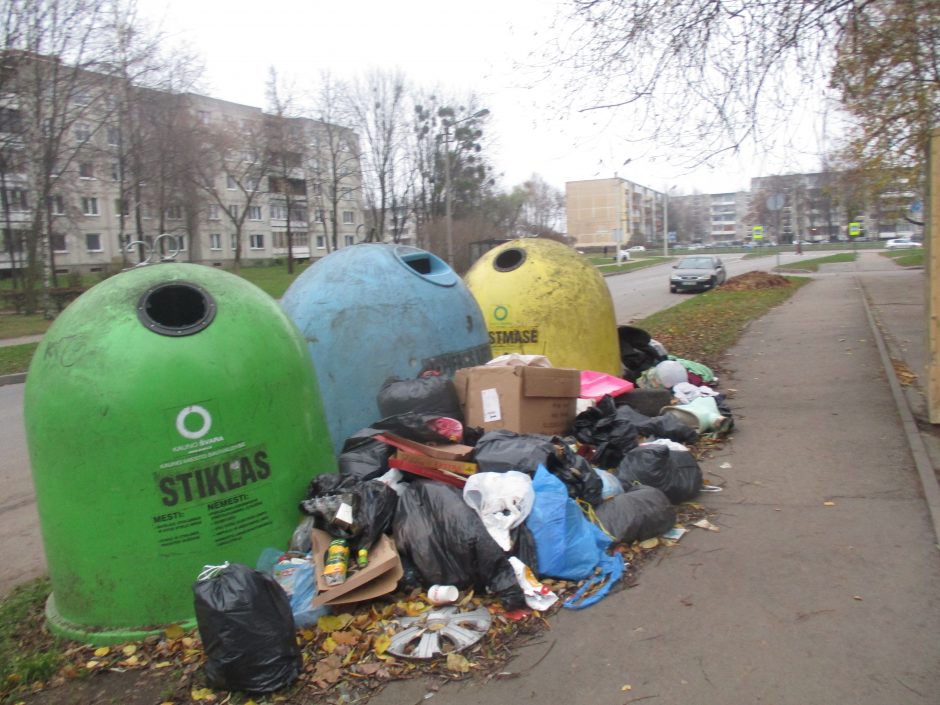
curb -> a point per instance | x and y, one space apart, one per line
925 470
17 378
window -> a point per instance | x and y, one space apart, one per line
122 207
16 200
349 240
233 211
321 242
114 136
203 117
230 182
234 243
57 205
93 242
254 212
215 241
90 206
58 243
86 170
174 212
213 212
251 183
319 215
318 189
115 171
179 242
82 132
256 241
348 217
278 212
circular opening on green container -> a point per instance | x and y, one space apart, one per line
508 260
176 309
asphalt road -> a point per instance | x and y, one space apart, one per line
636 295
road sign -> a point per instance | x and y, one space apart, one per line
757 232
855 229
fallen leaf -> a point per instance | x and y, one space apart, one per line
857 597
102 651
163 664
457 663
333 622
627 687
174 631
328 645
381 643
829 504
649 543
327 670
202 694
368 668
92 665
129 650
346 638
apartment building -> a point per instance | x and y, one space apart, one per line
613 212
213 178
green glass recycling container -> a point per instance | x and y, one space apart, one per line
173 421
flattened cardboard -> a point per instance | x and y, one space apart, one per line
458 467
444 451
517 398
379 577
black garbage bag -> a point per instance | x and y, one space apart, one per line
350 509
636 515
502 450
414 427
428 394
247 630
363 457
659 426
676 473
611 435
446 542
636 351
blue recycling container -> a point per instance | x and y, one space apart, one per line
374 311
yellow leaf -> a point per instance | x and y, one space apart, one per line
91 665
174 631
132 661
202 694
333 622
129 650
163 664
102 651
627 687
829 504
188 642
329 646
456 662
307 634
649 543
413 609
381 643
250 702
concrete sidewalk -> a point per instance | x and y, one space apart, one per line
821 585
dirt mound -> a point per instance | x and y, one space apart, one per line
755 280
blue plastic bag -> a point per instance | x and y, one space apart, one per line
567 545
297 578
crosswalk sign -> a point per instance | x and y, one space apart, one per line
757 232
855 229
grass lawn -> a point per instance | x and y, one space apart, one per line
906 258
812 265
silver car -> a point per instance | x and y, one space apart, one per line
697 273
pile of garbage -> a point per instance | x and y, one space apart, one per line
451 494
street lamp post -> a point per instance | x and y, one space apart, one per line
666 193
448 203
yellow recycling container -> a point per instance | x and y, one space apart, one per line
540 297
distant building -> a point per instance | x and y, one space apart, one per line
613 212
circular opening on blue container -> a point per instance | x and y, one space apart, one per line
429 267
508 260
176 309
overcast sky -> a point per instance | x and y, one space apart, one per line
482 46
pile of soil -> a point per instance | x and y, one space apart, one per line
755 280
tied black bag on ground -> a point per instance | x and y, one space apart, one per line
676 473
502 450
446 542
636 515
247 630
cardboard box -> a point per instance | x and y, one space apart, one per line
457 467
379 577
519 398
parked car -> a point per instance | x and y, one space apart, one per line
697 273
901 243
636 248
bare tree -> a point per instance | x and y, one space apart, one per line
234 160
543 208
378 105
708 76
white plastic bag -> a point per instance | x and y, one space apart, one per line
502 499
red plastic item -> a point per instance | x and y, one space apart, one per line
594 385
